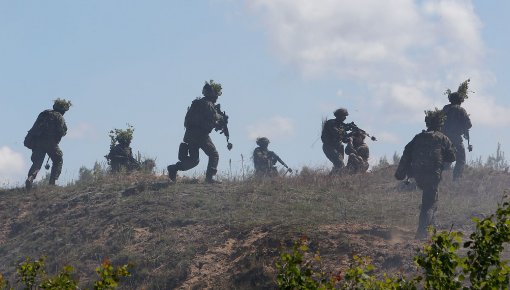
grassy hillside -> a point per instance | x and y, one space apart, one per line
195 235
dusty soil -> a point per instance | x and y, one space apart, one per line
191 235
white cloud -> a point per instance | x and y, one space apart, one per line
81 131
274 128
407 52
11 164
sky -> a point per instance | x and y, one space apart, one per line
285 66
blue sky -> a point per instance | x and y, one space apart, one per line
284 65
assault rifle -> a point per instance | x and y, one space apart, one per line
354 128
466 135
222 125
275 158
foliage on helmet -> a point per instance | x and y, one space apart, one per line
461 94
211 88
434 119
62 105
118 136
342 112
262 141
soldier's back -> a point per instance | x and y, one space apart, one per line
427 153
457 120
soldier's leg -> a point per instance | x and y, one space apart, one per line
212 166
428 209
460 160
334 155
57 161
37 161
190 161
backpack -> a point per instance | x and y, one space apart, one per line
40 126
192 118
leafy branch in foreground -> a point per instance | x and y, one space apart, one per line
440 262
32 275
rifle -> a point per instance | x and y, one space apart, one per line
354 128
466 135
276 158
222 125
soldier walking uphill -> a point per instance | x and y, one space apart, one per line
456 126
121 155
264 160
43 138
202 117
358 153
423 159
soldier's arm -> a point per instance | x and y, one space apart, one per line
448 150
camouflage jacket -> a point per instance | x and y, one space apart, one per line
202 116
264 160
122 155
457 121
360 150
49 126
425 154
333 133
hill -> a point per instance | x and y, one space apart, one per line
192 235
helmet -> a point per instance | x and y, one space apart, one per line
434 119
61 105
455 98
342 112
262 141
211 88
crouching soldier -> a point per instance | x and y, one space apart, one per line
43 138
264 160
358 153
121 157
423 159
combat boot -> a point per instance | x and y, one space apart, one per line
209 179
29 182
172 172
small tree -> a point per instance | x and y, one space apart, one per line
498 161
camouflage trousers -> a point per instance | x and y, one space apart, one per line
266 172
39 153
335 154
430 186
460 157
356 164
195 143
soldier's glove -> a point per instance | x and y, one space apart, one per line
470 147
400 174
229 146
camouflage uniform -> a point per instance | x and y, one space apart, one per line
358 157
202 117
121 157
332 136
423 159
43 138
457 124
264 162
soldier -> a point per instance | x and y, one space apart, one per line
456 126
333 136
423 159
43 138
264 160
358 153
202 117
121 155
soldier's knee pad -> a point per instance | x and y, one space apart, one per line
183 151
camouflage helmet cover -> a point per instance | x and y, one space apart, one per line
262 141
434 119
211 88
61 105
461 94
342 112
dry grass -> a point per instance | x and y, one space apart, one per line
216 236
